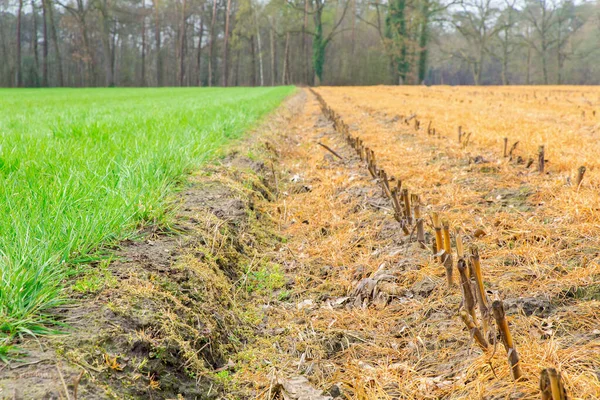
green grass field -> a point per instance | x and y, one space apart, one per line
82 168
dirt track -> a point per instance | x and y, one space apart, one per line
289 265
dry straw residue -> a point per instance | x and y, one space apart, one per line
376 314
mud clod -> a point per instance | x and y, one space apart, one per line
528 306
424 288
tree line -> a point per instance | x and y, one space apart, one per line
47 43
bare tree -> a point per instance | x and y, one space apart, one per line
568 23
54 35
320 40
474 23
80 13
105 9
505 37
541 15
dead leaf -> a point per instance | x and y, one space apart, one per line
308 303
298 388
479 233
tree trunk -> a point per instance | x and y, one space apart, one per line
34 42
143 74
505 54
544 61
353 34
561 63
108 55
558 51
225 39
90 59
182 44
318 44
285 59
113 53
61 79
157 38
211 44
393 70
404 50
305 56
4 67
273 56
253 62
528 70
480 66
80 14
260 55
397 33
19 72
45 45
87 70
423 42
236 75
474 72
199 54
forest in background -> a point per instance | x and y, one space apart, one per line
304 42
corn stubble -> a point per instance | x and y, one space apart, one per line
469 267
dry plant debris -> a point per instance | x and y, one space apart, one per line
382 321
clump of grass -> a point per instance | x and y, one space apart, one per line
84 168
94 279
264 279
8 352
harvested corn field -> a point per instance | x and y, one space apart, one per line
373 314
